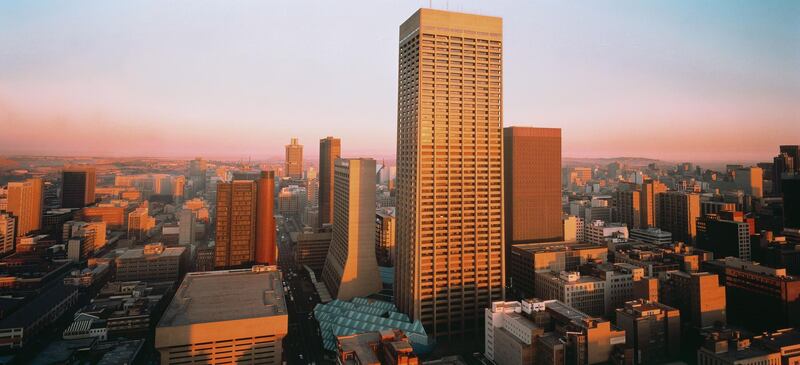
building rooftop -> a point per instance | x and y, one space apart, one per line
226 295
556 246
138 253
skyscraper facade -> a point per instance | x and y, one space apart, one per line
294 159
532 180
649 190
25 202
351 268
449 170
78 184
8 230
677 213
245 224
329 150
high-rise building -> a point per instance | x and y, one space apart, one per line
652 329
699 296
532 180
77 186
649 191
751 180
140 223
236 316
329 150
294 159
8 229
677 213
792 151
351 268
245 222
790 190
385 238
450 263
25 202
629 205
197 174
186 227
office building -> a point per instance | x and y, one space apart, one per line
584 293
677 213
652 329
154 262
450 262
294 159
600 233
351 268
77 187
330 149
714 207
650 189
790 189
94 232
385 237
532 181
8 229
25 202
699 296
292 201
534 331
749 285
186 227
197 174
225 316
140 223
383 347
651 235
751 181
573 229
728 347
629 205
311 249
726 234
527 259
245 222
619 279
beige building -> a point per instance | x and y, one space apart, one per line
351 269
25 202
236 316
154 262
294 159
450 263
140 223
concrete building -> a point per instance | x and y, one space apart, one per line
186 227
450 245
389 347
77 186
649 191
140 223
652 329
25 201
751 181
527 259
8 229
154 262
114 213
749 285
584 293
599 232
629 203
726 234
728 347
330 149
573 229
385 237
651 235
714 207
619 279
699 296
245 222
351 268
677 213
292 201
94 232
312 249
532 182
294 159
232 315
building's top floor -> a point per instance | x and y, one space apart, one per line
752 267
557 246
226 295
152 251
643 308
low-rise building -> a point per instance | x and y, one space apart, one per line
526 259
154 262
584 293
389 347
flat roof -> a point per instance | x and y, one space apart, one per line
216 296
556 246
361 345
137 253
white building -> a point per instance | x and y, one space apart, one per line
599 232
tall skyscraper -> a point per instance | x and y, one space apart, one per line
351 268
532 180
245 225
629 205
677 213
78 185
649 190
25 202
449 170
197 174
329 150
294 159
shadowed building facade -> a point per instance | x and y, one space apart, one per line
532 178
351 269
449 170
329 150
78 185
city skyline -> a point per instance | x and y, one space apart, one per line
170 77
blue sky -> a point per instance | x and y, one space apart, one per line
699 80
